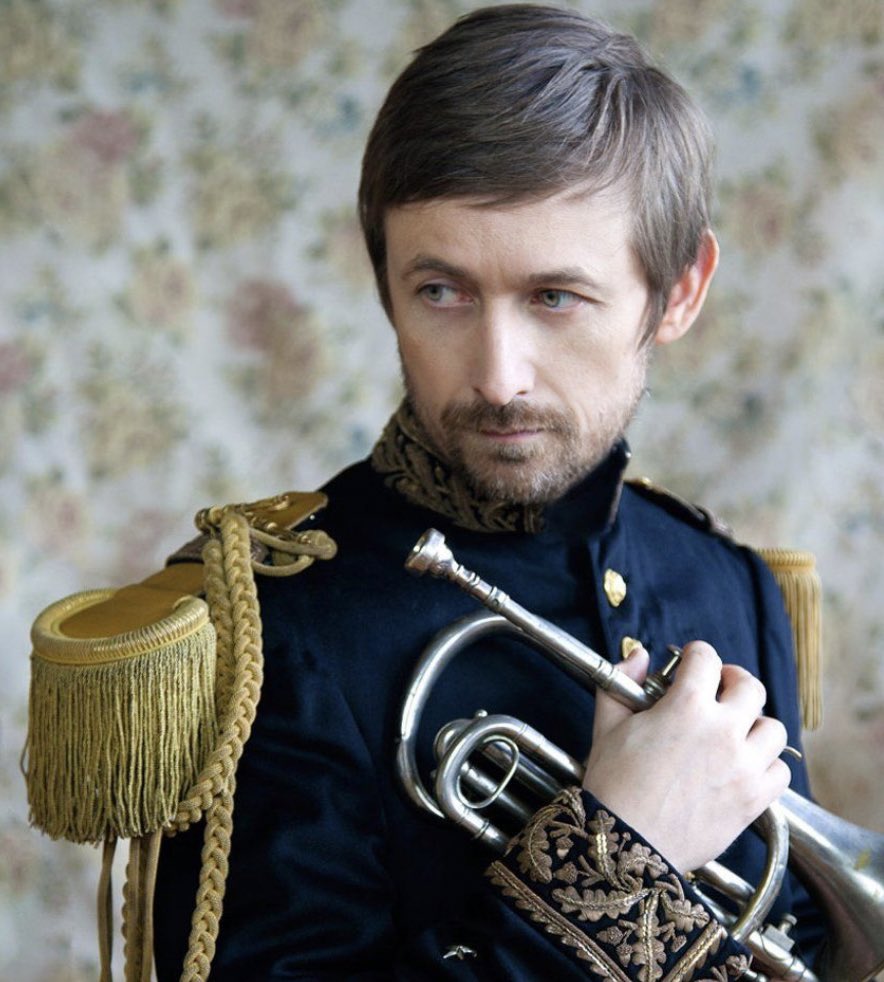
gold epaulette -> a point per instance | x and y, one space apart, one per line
142 697
118 673
796 575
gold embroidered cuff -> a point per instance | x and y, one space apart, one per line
592 883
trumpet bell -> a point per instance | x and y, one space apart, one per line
842 865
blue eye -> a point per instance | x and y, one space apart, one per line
557 299
441 295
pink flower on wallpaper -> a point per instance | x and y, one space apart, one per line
16 367
265 318
110 136
259 311
57 518
284 31
81 183
237 8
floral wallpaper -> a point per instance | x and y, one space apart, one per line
186 317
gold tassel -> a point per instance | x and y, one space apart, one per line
119 725
796 575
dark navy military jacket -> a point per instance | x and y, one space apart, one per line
334 873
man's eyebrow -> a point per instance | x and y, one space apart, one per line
570 275
564 275
432 264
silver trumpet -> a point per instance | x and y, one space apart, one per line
841 864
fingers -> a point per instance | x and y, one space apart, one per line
695 769
701 674
779 776
702 679
699 670
608 711
741 691
767 787
767 738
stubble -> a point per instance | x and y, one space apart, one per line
536 471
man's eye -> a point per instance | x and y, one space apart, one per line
557 299
441 295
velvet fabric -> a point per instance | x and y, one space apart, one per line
334 873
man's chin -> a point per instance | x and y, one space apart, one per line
517 482
535 471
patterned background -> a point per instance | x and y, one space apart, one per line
186 317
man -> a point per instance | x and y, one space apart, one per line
535 202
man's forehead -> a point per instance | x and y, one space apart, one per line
573 229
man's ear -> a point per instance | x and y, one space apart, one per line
687 296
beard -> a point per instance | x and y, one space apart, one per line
530 472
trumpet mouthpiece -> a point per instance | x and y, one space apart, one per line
430 555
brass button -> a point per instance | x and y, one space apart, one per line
615 587
628 645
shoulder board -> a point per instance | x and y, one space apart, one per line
273 519
693 514
277 548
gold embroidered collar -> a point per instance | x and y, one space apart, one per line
409 466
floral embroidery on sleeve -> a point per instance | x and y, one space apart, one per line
589 880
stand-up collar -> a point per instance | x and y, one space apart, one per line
404 458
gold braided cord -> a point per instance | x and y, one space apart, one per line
211 779
233 600
294 553
138 892
130 920
105 910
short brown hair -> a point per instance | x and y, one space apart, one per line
521 101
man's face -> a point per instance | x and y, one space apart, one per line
520 331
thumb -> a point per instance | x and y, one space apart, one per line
608 711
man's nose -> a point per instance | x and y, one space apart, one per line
503 364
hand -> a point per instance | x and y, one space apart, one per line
694 770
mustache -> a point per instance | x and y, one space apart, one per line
514 416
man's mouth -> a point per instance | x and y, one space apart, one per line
509 435
513 425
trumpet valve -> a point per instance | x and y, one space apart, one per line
658 682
